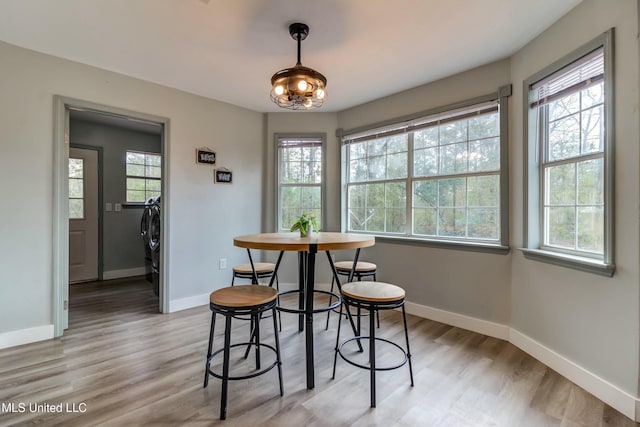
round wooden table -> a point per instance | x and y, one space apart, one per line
307 247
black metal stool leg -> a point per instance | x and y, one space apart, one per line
372 356
326 327
210 348
257 336
406 335
335 354
225 367
278 359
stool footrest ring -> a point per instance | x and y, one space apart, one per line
333 305
243 377
384 368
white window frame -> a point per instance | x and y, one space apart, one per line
145 177
414 122
320 138
535 163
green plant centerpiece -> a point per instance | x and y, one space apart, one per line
307 223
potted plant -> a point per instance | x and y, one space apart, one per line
307 223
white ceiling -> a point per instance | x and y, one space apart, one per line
228 49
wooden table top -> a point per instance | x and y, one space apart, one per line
325 241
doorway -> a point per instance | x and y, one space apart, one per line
64 256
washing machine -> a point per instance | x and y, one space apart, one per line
150 231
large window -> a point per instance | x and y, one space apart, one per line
569 162
300 178
437 178
144 173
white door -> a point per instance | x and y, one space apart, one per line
83 215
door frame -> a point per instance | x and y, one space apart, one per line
60 249
100 201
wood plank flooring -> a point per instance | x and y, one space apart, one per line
122 364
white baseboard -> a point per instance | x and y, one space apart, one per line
602 389
484 327
188 302
25 336
127 272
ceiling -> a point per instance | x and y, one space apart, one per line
228 49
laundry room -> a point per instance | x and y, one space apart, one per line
129 162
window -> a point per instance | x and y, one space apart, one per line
568 134
436 178
300 178
144 172
76 188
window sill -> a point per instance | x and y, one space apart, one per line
575 262
446 244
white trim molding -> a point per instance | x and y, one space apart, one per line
484 327
25 336
127 272
599 387
188 302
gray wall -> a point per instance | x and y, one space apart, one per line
588 319
122 245
201 217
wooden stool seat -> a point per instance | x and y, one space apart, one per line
261 267
243 296
360 266
373 291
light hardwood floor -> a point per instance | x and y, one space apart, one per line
131 366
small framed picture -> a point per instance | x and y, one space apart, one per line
205 157
223 176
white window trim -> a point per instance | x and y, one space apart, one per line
532 220
323 184
502 247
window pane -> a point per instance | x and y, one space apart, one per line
76 188
483 191
396 220
452 222
357 196
397 144
453 158
590 182
425 162
153 172
136 184
153 160
561 223
312 172
425 221
591 229
397 165
453 132
484 155
357 150
425 194
153 184
358 170
310 197
357 217
564 138
560 184
377 170
135 158
425 137
290 197
592 130
135 170
452 192
564 106
377 147
593 95
76 167
136 196
76 208
484 223
485 126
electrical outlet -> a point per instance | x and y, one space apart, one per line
108 207
222 263
117 207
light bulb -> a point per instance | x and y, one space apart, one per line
302 85
320 93
307 103
278 90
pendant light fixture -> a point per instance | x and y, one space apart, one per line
299 87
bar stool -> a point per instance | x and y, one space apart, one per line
363 269
264 270
245 300
373 296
